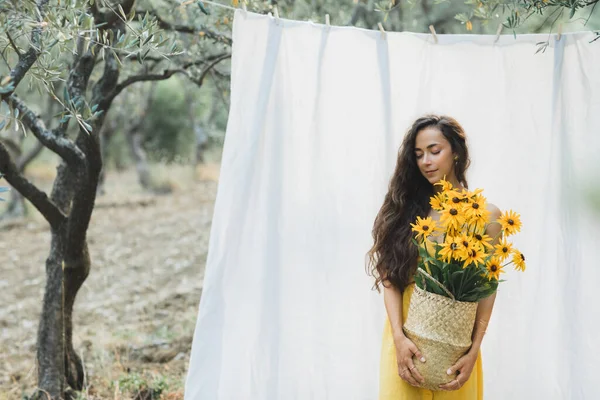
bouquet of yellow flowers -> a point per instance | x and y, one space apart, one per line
465 262
454 274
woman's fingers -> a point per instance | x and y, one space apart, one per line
415 372
456 367
407 376
417 353
454 384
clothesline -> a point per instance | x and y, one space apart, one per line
218 4
431 28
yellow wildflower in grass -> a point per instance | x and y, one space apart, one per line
474 255
519 260
424 227
503 249
437 202
469 26
510 221
450 249
494 269
451 217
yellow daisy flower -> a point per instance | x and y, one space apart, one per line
424 227
455 198
446 185
483 241
510 221
466 244
494 269
452 217
503 249
479 220
519 260
450 249
437 202
475 206
474 255
475 193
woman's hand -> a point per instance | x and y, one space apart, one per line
405 349
464 366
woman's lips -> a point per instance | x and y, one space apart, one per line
430 172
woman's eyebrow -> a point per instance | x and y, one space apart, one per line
430 146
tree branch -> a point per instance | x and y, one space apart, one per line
38 198
166 74
206 70
168 26
62 146
12 43
27 59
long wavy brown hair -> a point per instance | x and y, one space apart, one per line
393 257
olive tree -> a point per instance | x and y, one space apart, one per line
93 50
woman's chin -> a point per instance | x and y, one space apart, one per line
432 179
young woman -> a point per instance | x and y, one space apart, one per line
433 149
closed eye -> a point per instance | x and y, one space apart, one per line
433 152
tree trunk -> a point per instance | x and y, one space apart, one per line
75 273
134 139
51 341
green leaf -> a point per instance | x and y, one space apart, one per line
87 126
202 8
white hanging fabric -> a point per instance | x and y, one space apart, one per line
317 116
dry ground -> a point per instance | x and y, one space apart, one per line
134 316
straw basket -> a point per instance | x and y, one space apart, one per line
441 328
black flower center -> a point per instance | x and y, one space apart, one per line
511 222
475 206
478 237
522 257
504 250
455 200
466 244
453 246
425 227
494 268
453 211
473 253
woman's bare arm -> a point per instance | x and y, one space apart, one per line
392 298
405 348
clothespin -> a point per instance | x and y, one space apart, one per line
244 6
432 29
381 29
276 12
498 32
327 21
559 32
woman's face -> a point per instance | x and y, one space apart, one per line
434 155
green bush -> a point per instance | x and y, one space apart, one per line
167 134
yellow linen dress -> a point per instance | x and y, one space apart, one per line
392 387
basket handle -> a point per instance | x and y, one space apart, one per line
437 282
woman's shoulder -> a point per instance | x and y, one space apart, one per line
495 212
